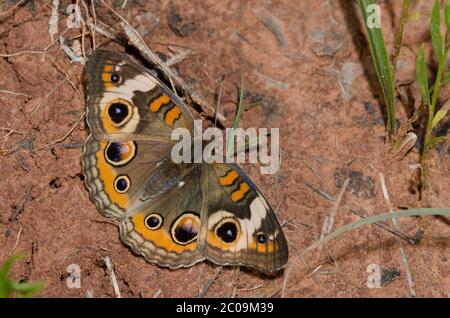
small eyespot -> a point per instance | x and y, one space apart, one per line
261 238
122 184
118 112
115 78
153 221
227 231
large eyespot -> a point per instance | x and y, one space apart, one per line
153 221
185 229
261 238
122 184
120 153
227 230
120 112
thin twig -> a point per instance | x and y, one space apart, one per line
66 135
10 131
83 41
218 100
14 93
403 255
46 49
48 95
17 242
21 205
112 276
210 282
59 68
251 288
336 206
90 24
302 161
12 8
285 281
21 163
21 52
399 35
94 15
110 34
320 192
54 18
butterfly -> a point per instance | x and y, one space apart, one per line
173 214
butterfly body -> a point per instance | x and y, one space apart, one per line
173 214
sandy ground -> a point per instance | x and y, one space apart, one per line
315 80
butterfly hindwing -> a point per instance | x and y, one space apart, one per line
165 229
116 171
241 227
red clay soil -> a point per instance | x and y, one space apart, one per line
312 72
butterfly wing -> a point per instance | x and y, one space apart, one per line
173 214
240 227
131 115
126 161
126 101
165 229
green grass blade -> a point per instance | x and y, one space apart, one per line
447 15
435 28
6 285
381 62
237 119
6 289
9 287
435 141
27 289
375 219
440 114
8 264
447 26
422 76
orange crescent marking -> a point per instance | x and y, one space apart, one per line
172 115
156 104
106 76
109 66
160 237
262 248
239 194
229 178
107 175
